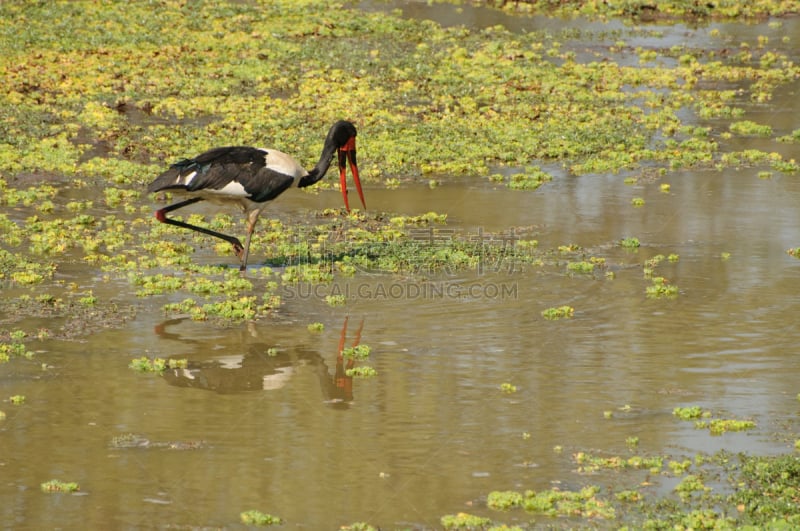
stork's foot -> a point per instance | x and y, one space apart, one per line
238 249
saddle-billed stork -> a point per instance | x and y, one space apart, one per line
251 177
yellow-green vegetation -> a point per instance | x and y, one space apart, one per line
336 300
361 372
508 387
55 485
488 97
358 526
531 179
767 488
488 84
761 493
714 426
689 485
588 463
17 399
255 517
464 521
81 111
233 309
158 365
746 127
662 10
661 287
14 348
560 312
581 267
690 412
358 352
554 502
630 243
720 426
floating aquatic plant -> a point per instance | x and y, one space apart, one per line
746 127
358 352
690 485
560 312
358 526
504 500
15 348
661 287
335 300
720 426
629 243
464 521
157 365
361 372
581 267
508 388
55 485
690 412
588 463
531 179
554 502
255 517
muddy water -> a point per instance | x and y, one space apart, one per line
262 418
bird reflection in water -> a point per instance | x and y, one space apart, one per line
260 368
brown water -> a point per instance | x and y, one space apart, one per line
432 433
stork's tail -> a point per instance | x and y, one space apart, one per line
175 177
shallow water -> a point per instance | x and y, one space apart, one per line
261 418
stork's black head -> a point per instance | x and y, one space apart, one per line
341 133
342 140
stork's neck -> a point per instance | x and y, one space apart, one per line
318 172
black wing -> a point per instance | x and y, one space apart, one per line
217 168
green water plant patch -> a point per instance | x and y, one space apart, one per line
55 485
157 365
258 518
560 312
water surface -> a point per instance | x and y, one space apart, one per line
263 418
